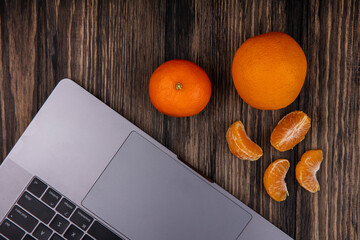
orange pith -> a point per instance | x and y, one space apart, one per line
274 179
240 144
306 170
290 130
179 88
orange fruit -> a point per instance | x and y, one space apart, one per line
179 88
306 170
240 144
269 70
290 130
274 179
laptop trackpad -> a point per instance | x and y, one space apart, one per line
146 194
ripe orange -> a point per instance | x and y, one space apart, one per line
290 130
274 179
179 88
240 144
306 170
269 70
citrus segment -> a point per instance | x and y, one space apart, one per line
306 170
240 144
274 179
290 130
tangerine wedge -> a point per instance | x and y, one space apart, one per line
240 144
290 130
274 179
306 170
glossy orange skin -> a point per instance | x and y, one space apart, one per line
240 144
274 179
179 88
306 170
290 130
269 70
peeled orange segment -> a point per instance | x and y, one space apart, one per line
240 144
274 179
290 131
306 170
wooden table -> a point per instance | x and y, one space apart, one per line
111 49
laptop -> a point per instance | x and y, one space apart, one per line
82 171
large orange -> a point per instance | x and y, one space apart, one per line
179 88
269 70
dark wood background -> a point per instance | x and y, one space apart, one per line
112 47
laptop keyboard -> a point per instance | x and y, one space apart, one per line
43 213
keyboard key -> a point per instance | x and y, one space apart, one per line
65 207
11 231
81 219
28 237
37 187
42 232
51 197
73 233
59 224
87 237
99 231
56 237
35 207
22 218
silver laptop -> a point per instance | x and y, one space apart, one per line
82 171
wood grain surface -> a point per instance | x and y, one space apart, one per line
111 49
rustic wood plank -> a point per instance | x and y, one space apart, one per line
111 49
332 78
18 32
